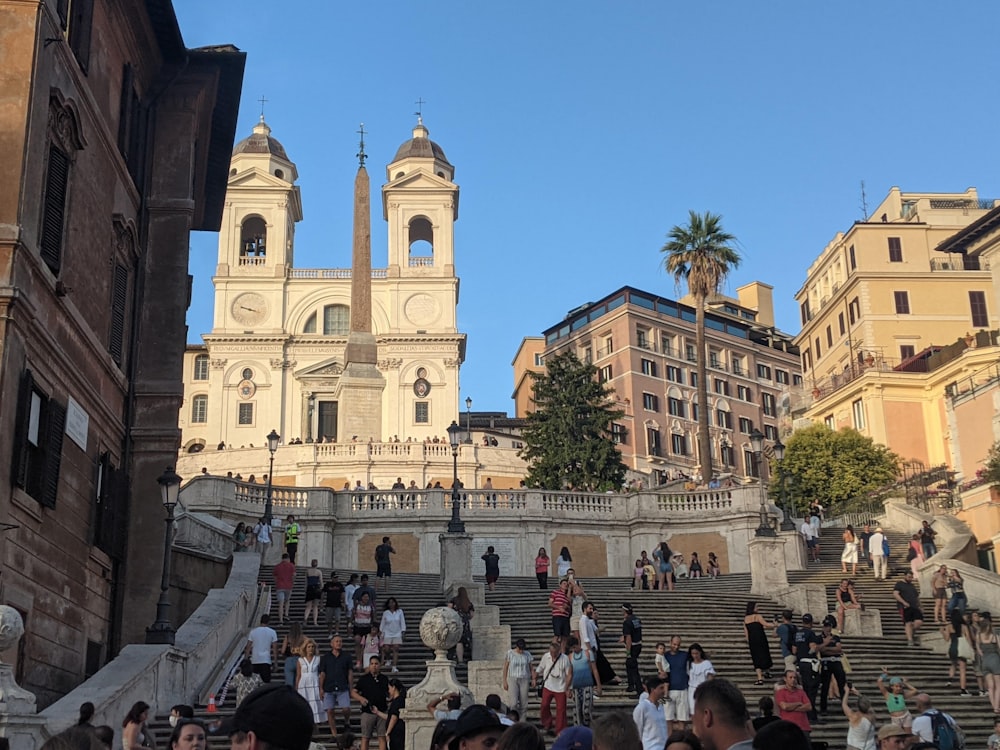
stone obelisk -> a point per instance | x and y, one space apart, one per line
359 393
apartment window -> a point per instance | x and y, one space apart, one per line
653 442
767 401
640 339
818 347
750 461
828 421
689 353
804 312
796 379
694 412
617 433
851 258
650 402
199 409
895 250
737 365
829 337
694 379
674 374
744 394
902 302
723 419
906 351
201 367
668 345
81 14
858 409
609 345
246 414
746 425
727 454
588 355
770 432
807 360
131 126
678 445
676 408
604 374
713 360
977 302
648 367
854 311
722 387
336 320
54 208
422 412
763 372
781 376
841 323
38 437
539 359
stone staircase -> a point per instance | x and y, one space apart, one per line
706 611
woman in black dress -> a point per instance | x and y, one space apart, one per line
760 649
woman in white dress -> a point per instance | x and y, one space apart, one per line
850 554
307 680
700 670
392 625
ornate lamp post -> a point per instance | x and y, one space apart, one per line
455 525
757 443
272 446
786 517
468 419
162 631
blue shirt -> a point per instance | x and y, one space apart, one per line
678 670
582 676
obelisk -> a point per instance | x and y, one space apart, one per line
359 393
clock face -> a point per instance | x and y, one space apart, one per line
249 309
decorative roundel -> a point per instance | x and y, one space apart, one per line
249 309
421 388
246 389
421 372
247 373
422 310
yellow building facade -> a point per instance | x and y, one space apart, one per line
276 353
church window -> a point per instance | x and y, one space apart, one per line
421 412
247 373
201 367
421 242
199 409
246 414
336 320
253 241
279 173
310 326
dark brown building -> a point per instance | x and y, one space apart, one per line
115 142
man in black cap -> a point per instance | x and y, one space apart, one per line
272 716
477 728
632 638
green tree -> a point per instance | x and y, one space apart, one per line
838 469
992 472
701 254
567 438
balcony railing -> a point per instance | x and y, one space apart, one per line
331 273
957 262
422 262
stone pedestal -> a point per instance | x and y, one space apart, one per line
25 732
485 677
768 571
869 623
456 563
795 550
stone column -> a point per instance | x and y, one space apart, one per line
768 571
456 563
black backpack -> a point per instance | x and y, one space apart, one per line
790 640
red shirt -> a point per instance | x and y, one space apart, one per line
541 565
559 603
284 575
798 718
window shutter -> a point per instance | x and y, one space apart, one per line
53 453
119 302
81 20
62 8
20 468
54 209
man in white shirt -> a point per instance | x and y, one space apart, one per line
556 672
649 717
262 648
263 532
809 535
877 552
923 725
588 640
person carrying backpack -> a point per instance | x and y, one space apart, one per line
937 726
786 637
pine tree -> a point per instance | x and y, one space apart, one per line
568 441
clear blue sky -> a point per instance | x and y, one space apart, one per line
582 132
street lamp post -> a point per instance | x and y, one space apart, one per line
162 631
272 446
468 419
786 517
757 443
456 525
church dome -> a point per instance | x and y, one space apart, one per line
420 146
261 142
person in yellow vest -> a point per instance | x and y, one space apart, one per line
291 537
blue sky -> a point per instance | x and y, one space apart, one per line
582 132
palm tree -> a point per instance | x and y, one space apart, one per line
701 254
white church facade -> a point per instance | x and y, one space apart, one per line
276 353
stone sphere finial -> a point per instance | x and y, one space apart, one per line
440 629
12 627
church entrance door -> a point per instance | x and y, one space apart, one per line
327 427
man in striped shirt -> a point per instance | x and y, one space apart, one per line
559 603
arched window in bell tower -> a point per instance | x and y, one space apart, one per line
253 241
421 242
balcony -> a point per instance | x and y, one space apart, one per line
957 262
330 273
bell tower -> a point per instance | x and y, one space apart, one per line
262 206
420 203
